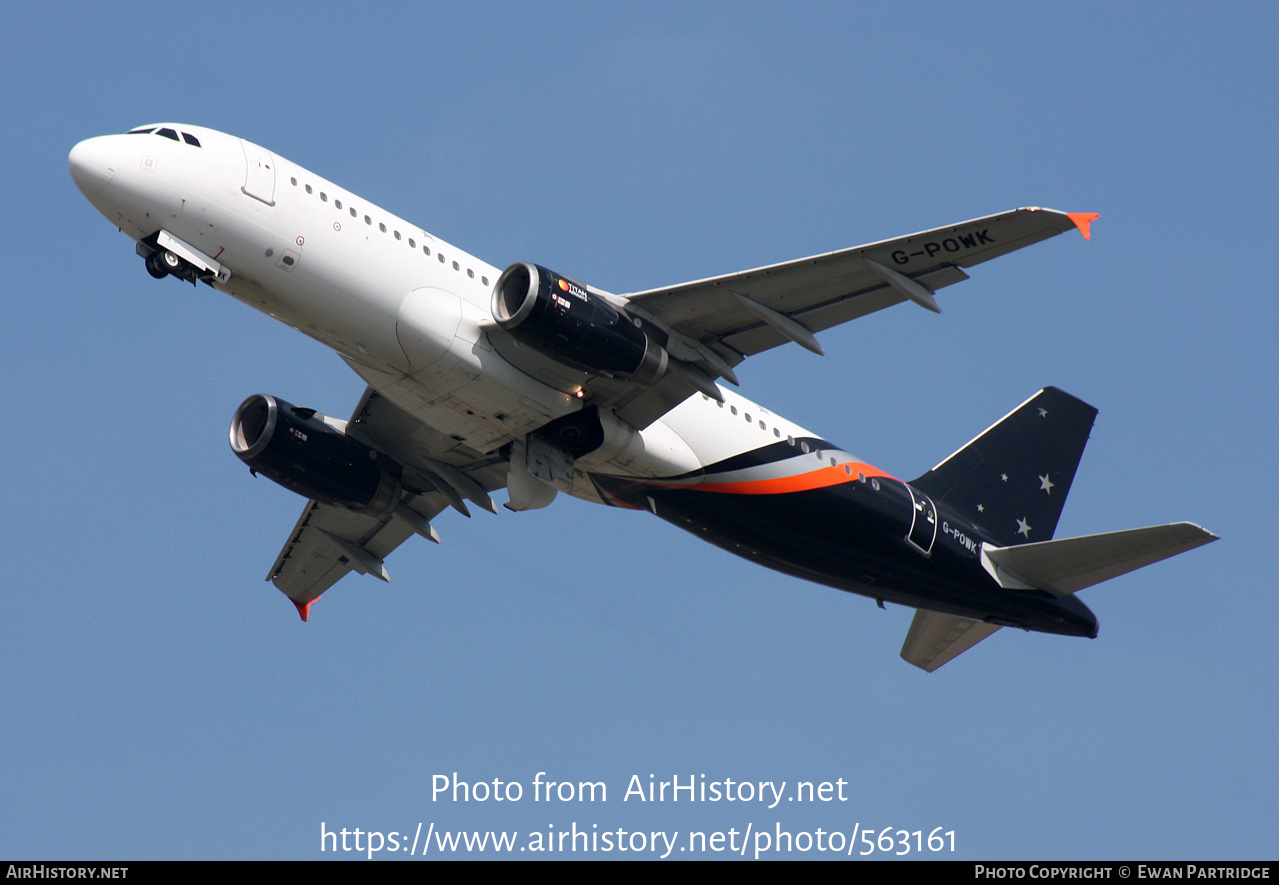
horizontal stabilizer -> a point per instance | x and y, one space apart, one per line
1066 565
933 639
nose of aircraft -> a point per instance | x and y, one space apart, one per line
93 164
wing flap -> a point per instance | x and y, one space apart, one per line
649 405
934 638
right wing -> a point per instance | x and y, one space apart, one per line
329 541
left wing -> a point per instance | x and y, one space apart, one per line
329 541
825 290
740 314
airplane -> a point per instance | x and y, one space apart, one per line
480 379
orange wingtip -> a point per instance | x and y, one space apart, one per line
304 608
1083 220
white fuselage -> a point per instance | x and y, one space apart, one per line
408 312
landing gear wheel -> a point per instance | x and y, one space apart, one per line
162 262
155 266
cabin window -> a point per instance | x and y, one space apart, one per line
470 273
440 255
308 189
455 266
337 204
484 280
412 245
368 220
353 212
426 250
293 181
324 198
381 227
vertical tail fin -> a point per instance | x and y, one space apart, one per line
1013 479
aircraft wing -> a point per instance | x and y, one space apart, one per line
707 327
740 314
330 541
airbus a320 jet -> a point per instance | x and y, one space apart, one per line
527 379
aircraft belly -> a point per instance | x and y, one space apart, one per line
480 413
849 536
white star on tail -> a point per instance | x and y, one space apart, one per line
1023 528
1045 485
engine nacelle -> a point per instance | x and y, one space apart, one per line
571 324
296 448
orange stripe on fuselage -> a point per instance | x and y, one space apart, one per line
821 478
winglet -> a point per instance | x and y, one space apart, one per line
1082 221
304 608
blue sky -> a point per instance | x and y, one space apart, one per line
160 700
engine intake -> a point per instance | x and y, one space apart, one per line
294 447
575 326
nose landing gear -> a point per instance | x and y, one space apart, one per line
161 262
166 256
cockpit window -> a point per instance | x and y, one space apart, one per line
167 133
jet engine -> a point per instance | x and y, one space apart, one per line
298 449
571 324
